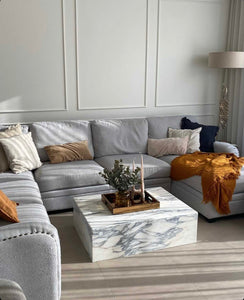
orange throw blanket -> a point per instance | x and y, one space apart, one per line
219 172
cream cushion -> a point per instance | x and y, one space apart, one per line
161 147
21 153
193 134
11 131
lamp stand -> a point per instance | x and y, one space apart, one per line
223 107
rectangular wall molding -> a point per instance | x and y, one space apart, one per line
183 79
88 100
29 51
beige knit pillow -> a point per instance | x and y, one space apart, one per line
11 131
21 153
161 147
193 134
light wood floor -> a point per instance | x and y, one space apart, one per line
213 268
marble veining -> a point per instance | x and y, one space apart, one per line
107 236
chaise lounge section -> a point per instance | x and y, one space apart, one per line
190 190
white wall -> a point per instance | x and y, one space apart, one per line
88 59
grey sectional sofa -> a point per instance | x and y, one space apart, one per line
30 250
124 139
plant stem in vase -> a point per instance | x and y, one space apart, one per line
123 180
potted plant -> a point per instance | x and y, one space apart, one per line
122 179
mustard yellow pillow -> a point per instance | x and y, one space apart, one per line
8 209
68 152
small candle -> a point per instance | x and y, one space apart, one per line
142 180
133 187
133 166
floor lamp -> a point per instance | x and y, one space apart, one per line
225 60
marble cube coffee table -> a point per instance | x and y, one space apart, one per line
107 236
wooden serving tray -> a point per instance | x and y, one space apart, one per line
151 203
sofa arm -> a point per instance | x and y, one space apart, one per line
30 256
10 290
223 147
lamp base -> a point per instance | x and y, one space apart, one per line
223 108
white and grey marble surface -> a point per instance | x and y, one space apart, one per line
107 236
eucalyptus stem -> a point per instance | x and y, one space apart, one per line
121 177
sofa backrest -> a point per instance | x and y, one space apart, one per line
60 132
24 128
158 126
123 136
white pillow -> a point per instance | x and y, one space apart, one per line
193 134
21 153
10 131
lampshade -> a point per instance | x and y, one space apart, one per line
228 59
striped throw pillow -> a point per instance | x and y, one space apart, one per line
21 153
7 132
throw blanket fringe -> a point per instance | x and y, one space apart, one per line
218 171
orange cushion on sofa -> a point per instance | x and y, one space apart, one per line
8 210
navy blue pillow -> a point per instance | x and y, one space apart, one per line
207 134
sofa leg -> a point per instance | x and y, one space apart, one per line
211 220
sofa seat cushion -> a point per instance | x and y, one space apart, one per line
168 158
153 167
23 192
30 213
20 188
10 176
51 177
195 183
